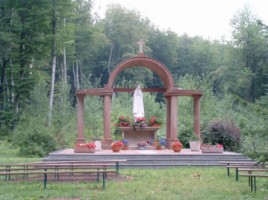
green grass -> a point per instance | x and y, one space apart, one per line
184 183
180 183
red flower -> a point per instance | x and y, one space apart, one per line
176 144
122 122
118 143
153 122
91 145
87 145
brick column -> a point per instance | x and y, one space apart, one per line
173 109
80 119
107 138
168 107
197 115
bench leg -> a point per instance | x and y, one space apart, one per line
8 170
249 180
98 175
103 180
255 187
228 170
251 185
117 168
236 174
45 181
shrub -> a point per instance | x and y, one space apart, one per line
36 143
222 132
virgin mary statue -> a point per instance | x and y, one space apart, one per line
138 107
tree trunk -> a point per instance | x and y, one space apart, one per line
77 74
53 65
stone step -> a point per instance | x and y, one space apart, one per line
153 160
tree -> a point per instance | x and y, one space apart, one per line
164 47
90 42
250 41
24 36
124 28
60 12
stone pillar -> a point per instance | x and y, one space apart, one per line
197 115
107 138
173 120
80 119
168 99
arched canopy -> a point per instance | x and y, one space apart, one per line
160 69
170 91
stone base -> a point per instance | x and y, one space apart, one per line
106 143
134 136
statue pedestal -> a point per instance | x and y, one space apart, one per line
136 136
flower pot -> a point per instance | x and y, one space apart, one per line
177 149
195 145
98 145
84 150
211 149
125 148
158 147
116 148
91 150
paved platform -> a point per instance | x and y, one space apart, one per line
141 152
150 158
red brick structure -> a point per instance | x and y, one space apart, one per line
170 91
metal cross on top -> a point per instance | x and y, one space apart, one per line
141 42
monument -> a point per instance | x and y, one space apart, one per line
171 93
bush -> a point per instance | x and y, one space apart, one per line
184 138
36 143
223 132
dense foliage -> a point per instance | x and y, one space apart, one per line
221 132
50 48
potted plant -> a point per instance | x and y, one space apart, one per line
116 146
209 148
154 122
176 146
141 145
162 143
125 142
194 142
85 147
97 142
139 123
123 122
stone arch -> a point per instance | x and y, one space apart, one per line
160 69
170 91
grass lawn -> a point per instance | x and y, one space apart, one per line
183 183
180 183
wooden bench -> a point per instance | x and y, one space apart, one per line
97 163
115 161
46 172
253 183
61 167
250 170
55 167
237 164
236 167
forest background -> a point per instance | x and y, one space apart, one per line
51 48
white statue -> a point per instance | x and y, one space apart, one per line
138 107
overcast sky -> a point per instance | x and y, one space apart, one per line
207 18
